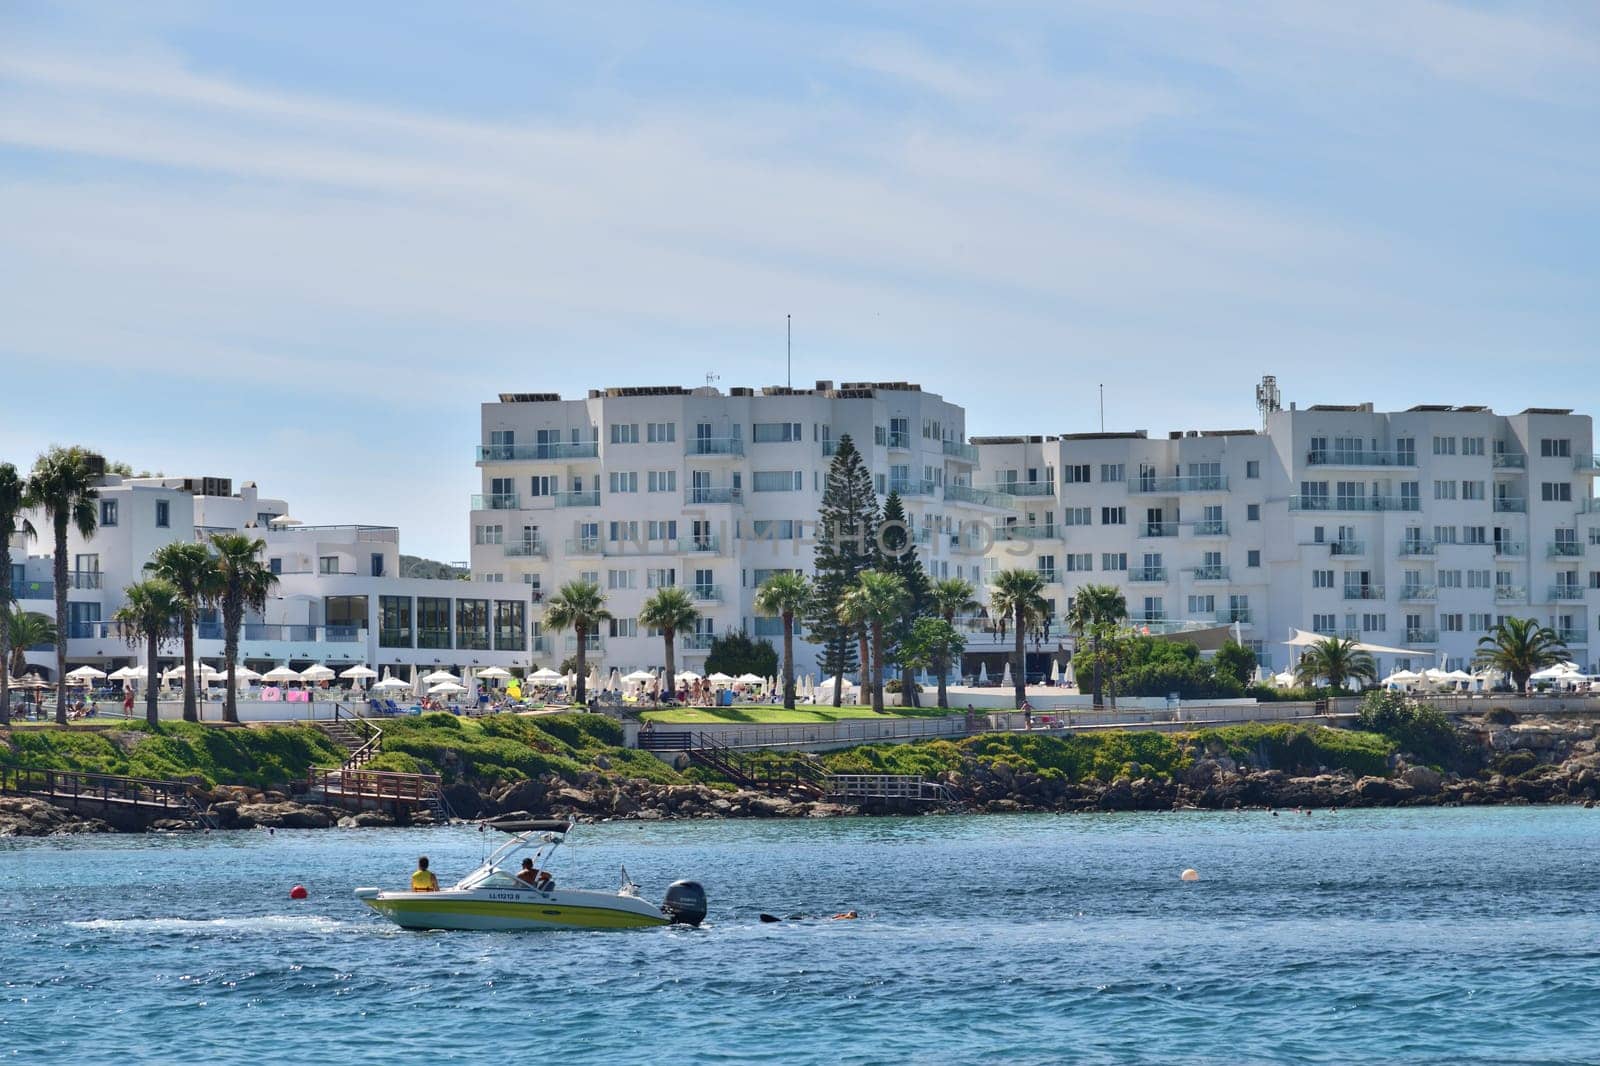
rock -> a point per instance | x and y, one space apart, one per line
770 807
283 816
521 797
1425 781
576 797
624 804
1379 790
225 813
372 820
603 762
464 800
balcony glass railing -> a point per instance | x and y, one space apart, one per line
706 593
1210 529
1422 636
1509 505
1049 575
1565 592
1147 574
707 544
34 590
965 452
968 494
1198 483
505 453
1510 593
1416 547
524 548
912 486
1418 593
1022 532
1209 573
1355 503
1229 615
1587 464
1345 457
591 642
496 501
695 641
1509 461
714 446
83 579
713 494
1158 529
584 546
1363 592
900 439
1026 488
1565 549
1139 620
1573 636
1347 547
590 498
1510 549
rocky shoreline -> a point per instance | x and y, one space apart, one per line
1538 761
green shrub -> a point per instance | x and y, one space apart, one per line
1415 728
1501 716
1513 763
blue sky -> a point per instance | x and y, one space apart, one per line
277 243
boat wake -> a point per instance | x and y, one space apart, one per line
267 923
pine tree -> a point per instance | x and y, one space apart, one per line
897 552
846 526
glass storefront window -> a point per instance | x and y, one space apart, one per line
433 622
472 625
510 625
394 621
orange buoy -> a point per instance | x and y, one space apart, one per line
298 892
1190 874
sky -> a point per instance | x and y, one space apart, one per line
300 243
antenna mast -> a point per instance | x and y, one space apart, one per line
1268 398
788 344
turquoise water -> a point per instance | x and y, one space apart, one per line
1423 935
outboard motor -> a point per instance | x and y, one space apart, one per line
685 903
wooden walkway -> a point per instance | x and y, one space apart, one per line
78 790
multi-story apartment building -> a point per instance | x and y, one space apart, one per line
635 488
340 597
1416 529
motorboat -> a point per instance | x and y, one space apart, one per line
494 898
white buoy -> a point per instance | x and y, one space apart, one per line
1191 874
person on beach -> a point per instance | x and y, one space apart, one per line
422 878
127 701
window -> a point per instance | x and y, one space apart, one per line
375 564
661 578
624 433
623 627
1478 579
1594 579
1202 605
1076 473
617 532
1555 448
1374 623
775 432
1474 535
328 564
1113 560
1444 534
662 481
1252 468
345 612
778 481
1451 623
661 432
1110 472
1444 490
433 622
662 529
1084 562
1252 512
1472 490
510 625
1252 558
1078 516
488 534
1324 623
1480 622
472 625
1444 445
1449 579
622 579
108 512
1322 579
624 481
1471 445
1556 491
774 529
589 577
544 485
394 621
1113 516
163 514
275 565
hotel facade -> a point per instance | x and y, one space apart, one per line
1417 529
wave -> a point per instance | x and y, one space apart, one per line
266 923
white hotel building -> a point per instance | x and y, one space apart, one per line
1414 529
340 599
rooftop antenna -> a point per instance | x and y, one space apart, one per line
712 379
788 345
1102 407
1268 399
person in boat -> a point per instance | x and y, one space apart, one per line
422 878
528 875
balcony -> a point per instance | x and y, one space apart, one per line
1587 464
522 549
1209 573
695 641
1410 549
900 439
1363 592
1510 594
1565 592
578 499
1344 457
1573 636
1509 505
1139 620
1347 547
1354 503
732 447
1422 636
496 501
1022 532
548 451
912 487
1230 615
1171 485
1565 549
34 590
591 643
713 494
1509 549
1418 593
1026 488
83 579
1147 574
964 452
968 494
1509 461
706 545
584 546
1049 575
1209 529
1158 529
706 593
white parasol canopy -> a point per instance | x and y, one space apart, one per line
495 673
1558 672
86 673
983 674
686 675
750 679
639 677
244 673
390 683
447 688
439 677
124 673
358 673
1300 638
280 673
317 672
544 673
720 678
1402 677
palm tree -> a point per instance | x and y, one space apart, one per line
13 498
950 597
580 606
1093 608
1521 647
786 594
1338 661
149 612
1017 598
24 630
246 582
875 601
63 485
670 609
192 570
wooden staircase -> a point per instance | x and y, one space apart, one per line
795 775
359 736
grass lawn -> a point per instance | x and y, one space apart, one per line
98 721
776 715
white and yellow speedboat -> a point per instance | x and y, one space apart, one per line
491 898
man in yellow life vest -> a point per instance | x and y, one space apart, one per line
422 879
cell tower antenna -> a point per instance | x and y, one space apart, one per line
712 379
1268 399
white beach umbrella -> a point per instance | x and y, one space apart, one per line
1558 672
1055 670
594 681
750 679
1284 680
639 677
358 673
447 688
244 673
390 684
439 677
1459 675
1005 675
544 673
317 672
983 674
686 676
613 681
280 673
86 673
495 673
122 673
720 678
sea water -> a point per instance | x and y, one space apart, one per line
1418 935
